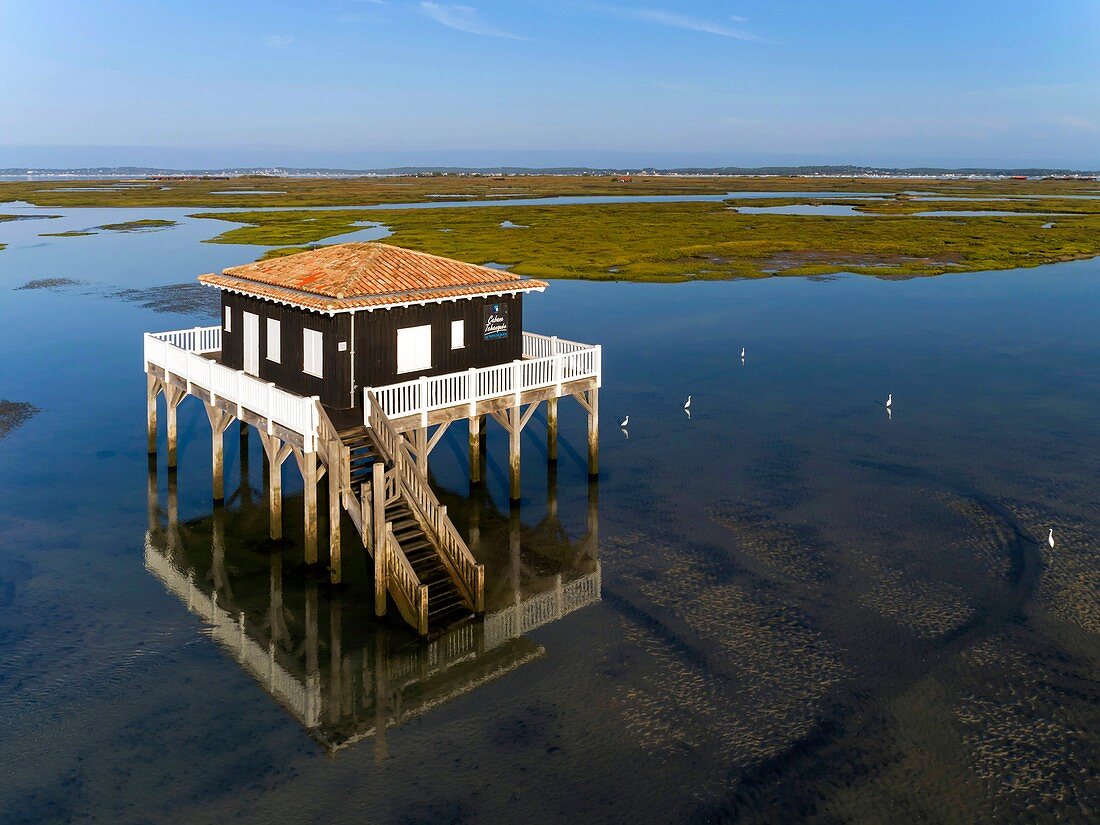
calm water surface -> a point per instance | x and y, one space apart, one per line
789 605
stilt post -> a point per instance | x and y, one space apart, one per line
475 449
552 430
277 452
378 521
219 422
152 390
514 430
594 432
172 398
334 562
309 482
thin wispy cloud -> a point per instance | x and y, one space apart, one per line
1079 124
278 41
675 20
464 19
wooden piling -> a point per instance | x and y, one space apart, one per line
276 452
308 467
515 429
594 432
421 438
172 398
152 390
378 521
334 561
219 423
475 448
552 430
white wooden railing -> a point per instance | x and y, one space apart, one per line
547 362
181 354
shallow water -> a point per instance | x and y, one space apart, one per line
806 608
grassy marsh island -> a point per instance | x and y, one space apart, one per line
261 191
690 241
137 226
6 218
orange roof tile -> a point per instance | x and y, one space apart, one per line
365 275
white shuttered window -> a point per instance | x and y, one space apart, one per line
274 342
311 353
414 348
458 334
229 319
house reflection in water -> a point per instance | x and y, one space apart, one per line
321 653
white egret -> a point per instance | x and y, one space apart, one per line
889 401
1050 538
625 423
742 353
687 406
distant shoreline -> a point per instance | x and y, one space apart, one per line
17 173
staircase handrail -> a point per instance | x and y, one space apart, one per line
339 463
400 575
471 574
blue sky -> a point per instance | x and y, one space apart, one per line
389 82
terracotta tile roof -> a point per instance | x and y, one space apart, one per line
361 275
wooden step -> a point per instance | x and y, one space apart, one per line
445 618
440 595
351 432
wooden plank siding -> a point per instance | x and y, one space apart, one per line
334 388
376 338
375 345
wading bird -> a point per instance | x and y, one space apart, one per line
889 401
626 422
742 353
1050 538
687 406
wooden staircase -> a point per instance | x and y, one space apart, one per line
424 565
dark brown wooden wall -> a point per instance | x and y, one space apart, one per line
375 343
376 339
334 389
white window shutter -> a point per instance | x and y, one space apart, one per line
312 361
414 348
274 342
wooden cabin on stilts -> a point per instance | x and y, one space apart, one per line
355 359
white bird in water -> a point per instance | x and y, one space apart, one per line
742 353
687 406
626 422
889 401
1050 538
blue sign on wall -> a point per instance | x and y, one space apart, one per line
496 321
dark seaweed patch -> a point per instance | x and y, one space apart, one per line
14 414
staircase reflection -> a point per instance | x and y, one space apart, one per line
320 653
